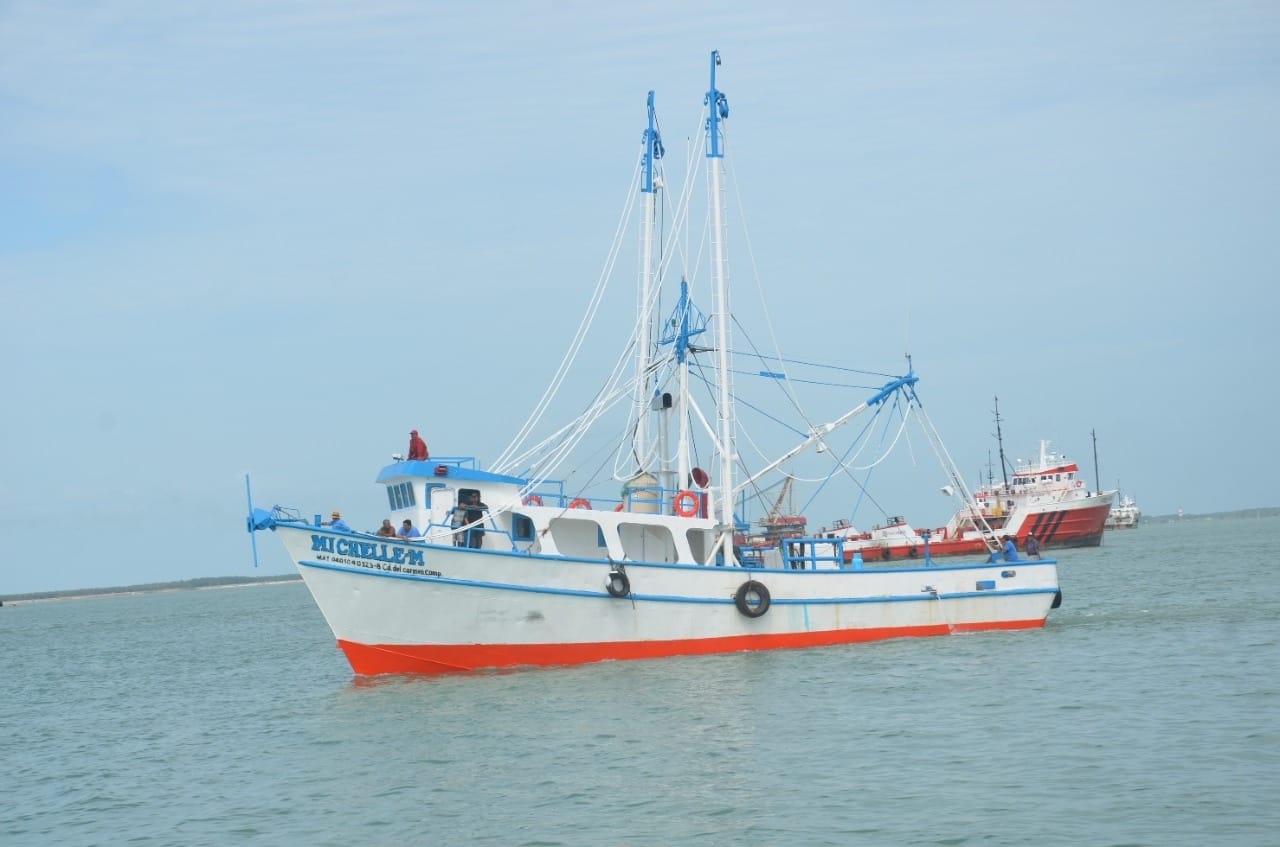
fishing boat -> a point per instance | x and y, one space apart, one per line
553 563
1046 497
1124 514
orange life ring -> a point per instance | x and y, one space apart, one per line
579 503
685 503
532 500
618 508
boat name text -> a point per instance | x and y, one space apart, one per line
376 555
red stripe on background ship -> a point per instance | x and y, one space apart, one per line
1049 499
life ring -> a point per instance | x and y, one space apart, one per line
618 585
618 508
685 503
532 500
1079 484
579 503
752 598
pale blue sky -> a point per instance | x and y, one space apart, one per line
243 236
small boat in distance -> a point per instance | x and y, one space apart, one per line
1124 515
551 565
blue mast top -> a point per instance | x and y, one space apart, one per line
653 149
686 321
718 108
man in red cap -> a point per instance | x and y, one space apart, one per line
417 447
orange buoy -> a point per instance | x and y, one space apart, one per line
685 503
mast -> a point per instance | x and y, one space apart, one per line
679 330
1096 480
653 151
1000 443
717 111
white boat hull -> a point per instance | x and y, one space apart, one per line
1125 515
426 608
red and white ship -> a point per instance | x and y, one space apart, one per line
1048 498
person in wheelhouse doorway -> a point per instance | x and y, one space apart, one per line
417 447
476 513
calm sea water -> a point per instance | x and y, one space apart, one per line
1146 713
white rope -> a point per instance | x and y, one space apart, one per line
575 345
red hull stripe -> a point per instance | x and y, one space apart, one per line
371 659
1046 525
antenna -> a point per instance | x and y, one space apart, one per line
253 539
1096 480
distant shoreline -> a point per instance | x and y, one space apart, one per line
1238 514
149 588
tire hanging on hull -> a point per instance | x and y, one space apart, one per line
618 585
752 598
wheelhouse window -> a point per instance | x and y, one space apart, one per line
400 495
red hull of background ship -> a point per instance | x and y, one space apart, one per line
1048 499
